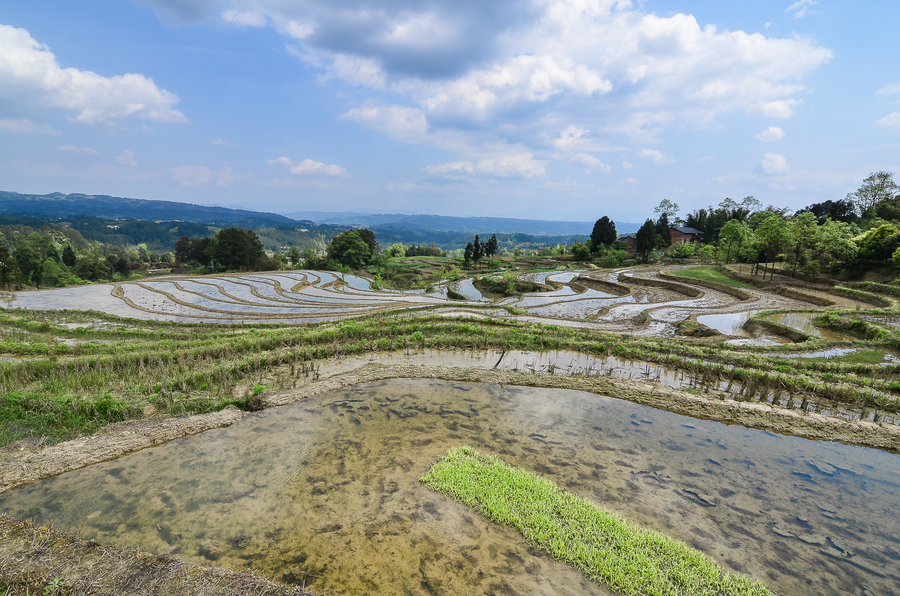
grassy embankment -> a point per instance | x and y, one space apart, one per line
708 273
55 391
631 560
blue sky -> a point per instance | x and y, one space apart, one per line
549 109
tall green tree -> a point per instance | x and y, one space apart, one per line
30 265
876 188
477 250
804 230
237 248
645 239
668 208
604 233
469 254
663 231
351 248
735 231
772 234
368 236
836 246
490 247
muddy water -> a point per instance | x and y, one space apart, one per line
728 323
803 322
328 488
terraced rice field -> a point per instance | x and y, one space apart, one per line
296 296
641 301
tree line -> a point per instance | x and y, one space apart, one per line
860 231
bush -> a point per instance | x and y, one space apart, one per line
581 252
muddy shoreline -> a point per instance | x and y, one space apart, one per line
23 464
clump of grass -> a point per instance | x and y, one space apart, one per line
709 274
629 559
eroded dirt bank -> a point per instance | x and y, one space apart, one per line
24 464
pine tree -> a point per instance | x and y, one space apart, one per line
663 231
491 247
604 233
645 239
477 250
468 254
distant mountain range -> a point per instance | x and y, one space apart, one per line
463 225
298 227
59 205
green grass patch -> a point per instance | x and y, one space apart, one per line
606 548
709 274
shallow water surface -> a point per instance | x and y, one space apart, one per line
731 323
328 487
803 322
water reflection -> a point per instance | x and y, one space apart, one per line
803 322
328 486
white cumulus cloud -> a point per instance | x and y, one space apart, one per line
590 161
401 123
475 70
774 109
309 167
244 18
30 77
773 133
655 155
889 89
774 163
573 137
889 121
521 165
126 158
455 170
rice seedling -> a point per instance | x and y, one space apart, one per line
606 548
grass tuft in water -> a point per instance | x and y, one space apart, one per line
630 560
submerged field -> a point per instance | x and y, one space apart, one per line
812 361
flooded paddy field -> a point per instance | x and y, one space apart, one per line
575 364
317 296
326 490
